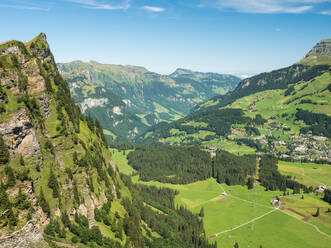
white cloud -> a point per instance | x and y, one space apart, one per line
92 4
326 12
153 9
267 6
21 7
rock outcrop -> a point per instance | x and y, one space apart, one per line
11 50
321 48
19 133
28 236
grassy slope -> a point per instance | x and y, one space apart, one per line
275 100
307 173
277 229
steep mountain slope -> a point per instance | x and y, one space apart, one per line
129 99
58 184
314 64
286 112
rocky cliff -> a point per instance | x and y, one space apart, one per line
319 54
54 162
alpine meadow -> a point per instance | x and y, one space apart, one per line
165 124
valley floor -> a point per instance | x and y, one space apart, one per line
236 214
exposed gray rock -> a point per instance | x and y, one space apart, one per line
44 102
19 130
11 50
44 53
28 236
9 79
93 102
321 48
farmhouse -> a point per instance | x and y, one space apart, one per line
275 202
321 188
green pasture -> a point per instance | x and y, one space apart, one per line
275 230
230 146
259 222
121 161
308 207
307 173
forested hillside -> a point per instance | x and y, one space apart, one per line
59 186
129 99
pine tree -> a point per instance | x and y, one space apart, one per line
43 203
65 219
250 183
4 153
75 157
53 184
202 213
90 123
76 195
49 229
4 200
12 218
236 245
21 160
11 180
317 212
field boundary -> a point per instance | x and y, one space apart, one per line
308 223
241 225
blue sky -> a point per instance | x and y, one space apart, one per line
242 37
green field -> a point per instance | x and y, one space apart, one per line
249 213
121 161
307 173
230 146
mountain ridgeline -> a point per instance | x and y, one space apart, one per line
129 99
59 186
285 112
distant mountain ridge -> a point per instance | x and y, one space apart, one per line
129 99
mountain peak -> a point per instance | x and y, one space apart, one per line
42 37
319 54
181 71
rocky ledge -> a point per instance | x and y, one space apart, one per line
19 130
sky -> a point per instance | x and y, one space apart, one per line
241 37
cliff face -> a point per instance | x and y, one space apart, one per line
319 54
53 162
20 135
321 48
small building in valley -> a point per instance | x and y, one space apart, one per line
275 202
